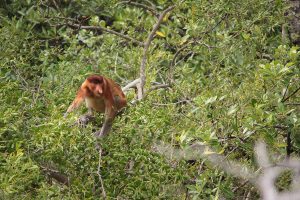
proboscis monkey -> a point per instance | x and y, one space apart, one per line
103 95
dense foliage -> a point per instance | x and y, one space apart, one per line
234 81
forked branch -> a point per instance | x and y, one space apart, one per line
145 50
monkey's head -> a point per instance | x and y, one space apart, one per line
95 85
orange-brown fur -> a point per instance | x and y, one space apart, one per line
103 95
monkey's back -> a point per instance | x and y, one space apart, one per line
119 97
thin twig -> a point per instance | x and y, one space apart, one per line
35 95
116 63
289 146
284 100
240 186
146 93
249 193
64 18
99 28
140 5
57 7
155 87
99 173
286 90
292 104
151 3
173 103
187 44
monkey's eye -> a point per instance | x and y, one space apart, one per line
96 81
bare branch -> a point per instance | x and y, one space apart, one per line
99 28
292 104
131 85
172 64
155 87
286 90
55 174
99 173
116 62
286 98
265 181
151 3
146 47
185 101
289 145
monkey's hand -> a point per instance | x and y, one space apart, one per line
98 134
84 120
105 128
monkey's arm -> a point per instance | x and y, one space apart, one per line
110 114
105 128
77 101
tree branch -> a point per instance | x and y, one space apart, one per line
140 5
264 178
99 28
159 86
191 42
285 99
185 101
131 85
57 7
289 146
59 177
99 173
286 91
146 47
292 104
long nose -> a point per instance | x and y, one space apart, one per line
99 89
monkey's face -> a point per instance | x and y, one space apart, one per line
98 91
95 85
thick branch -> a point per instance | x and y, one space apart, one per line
146 93
99 28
